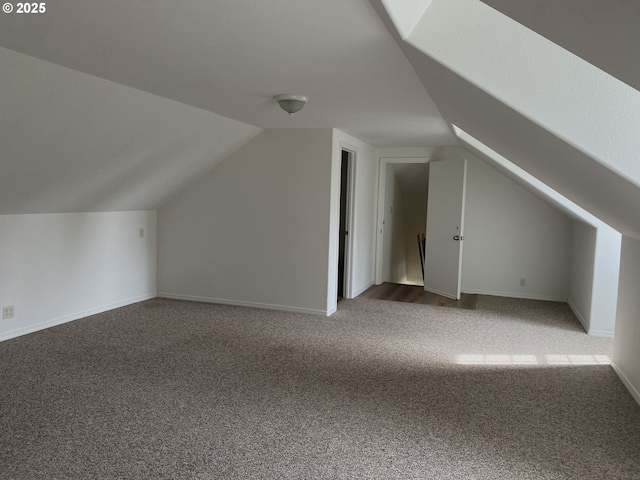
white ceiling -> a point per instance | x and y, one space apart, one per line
412 177
603 32
558 117
231 56
97 105
71 142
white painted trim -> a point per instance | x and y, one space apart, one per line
545 298
600 333
461 243
382 175
74 316
585 324
579 315
635 393
331 311
240 303
351 189
363 289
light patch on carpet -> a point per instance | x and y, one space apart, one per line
472 359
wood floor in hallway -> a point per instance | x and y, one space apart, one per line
416 294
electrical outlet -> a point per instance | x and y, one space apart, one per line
8 312
523 282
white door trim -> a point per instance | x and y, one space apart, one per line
350 223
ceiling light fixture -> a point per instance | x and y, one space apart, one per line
291 103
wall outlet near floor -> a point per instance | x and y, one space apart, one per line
8 312
523 282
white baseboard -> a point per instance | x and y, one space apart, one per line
240 303
576 311
527 296
635 393
361 290
74 316
585 324
600 333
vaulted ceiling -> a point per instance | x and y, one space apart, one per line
111 105
559 117
604 33
119 104
231 57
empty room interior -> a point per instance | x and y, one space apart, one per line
198 200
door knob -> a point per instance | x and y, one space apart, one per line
458 238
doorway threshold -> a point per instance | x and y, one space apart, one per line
396 292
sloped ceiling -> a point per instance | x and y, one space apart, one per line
70 142
604 33
556 116
231 57
117 105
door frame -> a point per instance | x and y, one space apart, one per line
382 181
350 214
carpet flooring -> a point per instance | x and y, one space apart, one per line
380 390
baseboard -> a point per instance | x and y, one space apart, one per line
627 383
590 331
527 296
74 316
578 315
362 290
240 303
600 333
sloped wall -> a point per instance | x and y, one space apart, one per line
559 118
71 142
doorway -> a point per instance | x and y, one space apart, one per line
346 161
402 213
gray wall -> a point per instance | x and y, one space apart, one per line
255 230
512 234
626 354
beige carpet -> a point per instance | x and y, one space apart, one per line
380 390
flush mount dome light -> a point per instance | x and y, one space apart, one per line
291 103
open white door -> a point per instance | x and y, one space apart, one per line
445 227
